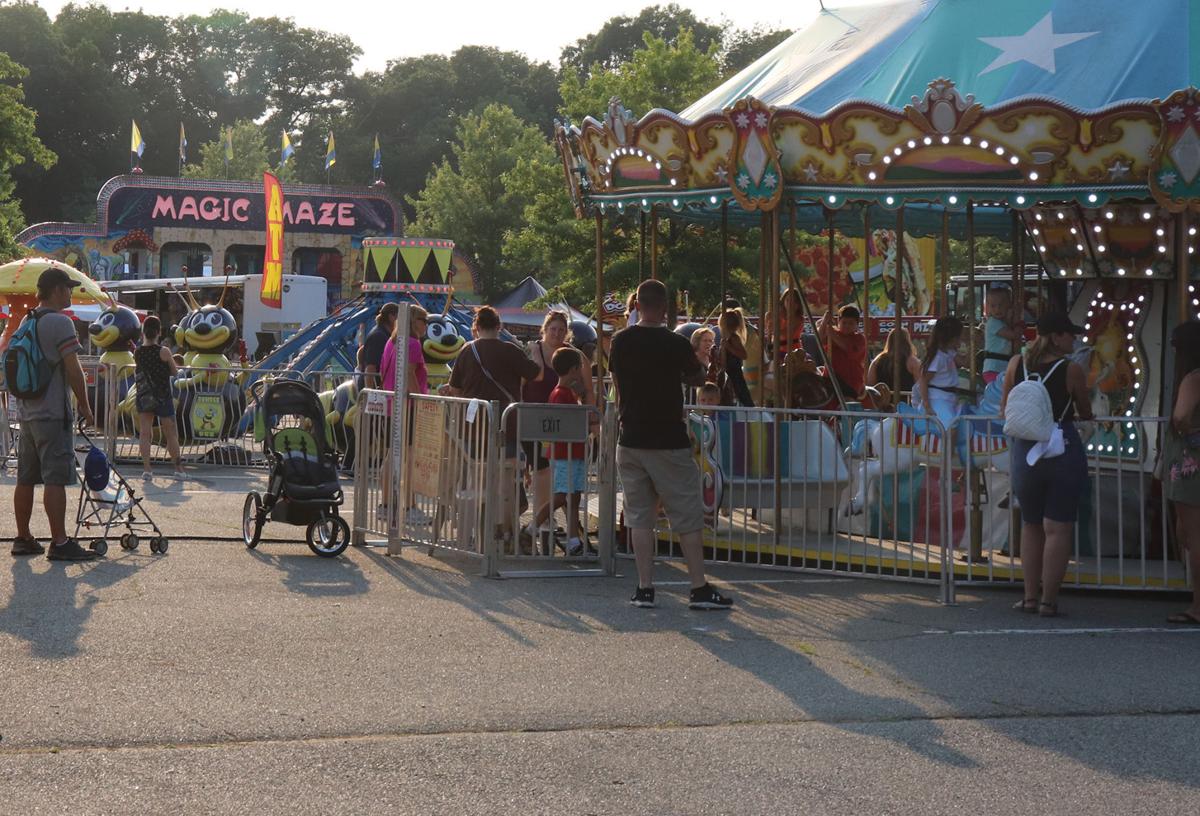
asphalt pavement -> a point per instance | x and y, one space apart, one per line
220 680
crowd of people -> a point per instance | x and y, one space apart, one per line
655 371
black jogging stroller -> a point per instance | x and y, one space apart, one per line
303 487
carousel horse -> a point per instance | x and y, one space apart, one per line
706 443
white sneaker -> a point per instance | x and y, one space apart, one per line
179 475
147 475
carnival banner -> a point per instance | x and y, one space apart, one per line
271 293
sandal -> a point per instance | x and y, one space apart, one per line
1049 610
1029 605
1185 617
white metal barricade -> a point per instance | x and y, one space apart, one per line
555 456
1122 536
826 491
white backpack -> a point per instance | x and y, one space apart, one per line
1028 414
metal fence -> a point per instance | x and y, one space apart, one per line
825 491
1122 535
435 492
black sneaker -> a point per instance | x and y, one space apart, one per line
70 550
27 546
706 597
643 597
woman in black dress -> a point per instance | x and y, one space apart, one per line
155 370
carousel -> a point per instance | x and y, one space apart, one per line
1069 129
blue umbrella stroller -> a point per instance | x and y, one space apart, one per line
303 487
108 501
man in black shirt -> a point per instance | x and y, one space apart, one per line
371 351
650 365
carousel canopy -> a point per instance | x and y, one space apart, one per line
1084 53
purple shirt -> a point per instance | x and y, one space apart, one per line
387 366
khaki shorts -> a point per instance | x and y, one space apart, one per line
46 454
670 475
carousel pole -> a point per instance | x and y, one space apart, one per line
654 242
898 292
724 255
764 362
831 249
641 246
1018 301
944 289
782 392
1014 287
599 301
866 293
975 551
786 317
1182 264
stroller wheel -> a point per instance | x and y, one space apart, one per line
162 545
130 541
124 541
154 544
252 520
328 536
99 546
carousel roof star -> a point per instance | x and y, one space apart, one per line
810 172
1036 46
1119 169
742 120
1175 114
760 119
722 174
1167 179
743 180
770 181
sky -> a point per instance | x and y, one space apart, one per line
391 30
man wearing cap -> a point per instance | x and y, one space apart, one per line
370 353
46 454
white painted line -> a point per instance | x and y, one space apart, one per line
1114 630
722 582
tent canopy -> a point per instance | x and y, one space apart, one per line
511 306
1085 53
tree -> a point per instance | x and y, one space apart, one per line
18 144
621 37
744 46
660 75
253 153
477 197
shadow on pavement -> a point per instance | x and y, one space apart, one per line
62 596
315 576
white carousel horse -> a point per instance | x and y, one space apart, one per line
899 444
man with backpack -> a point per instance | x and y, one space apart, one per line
41 361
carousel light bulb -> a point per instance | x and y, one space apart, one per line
833 199
1137 385
645 203
1073 232
674 202
1110 448
927 140
1137 372
1089 312
1041 248
1078 271
887 159
1062 273
966 140
1146 216
890 200
1133 360
1020 199
1092 198
712 199
1133 399
999 150
1087 326
1159 232
1014 160
911 144
1162 248
1108 214
945 140
1038 216
1129 348
1096 229
1061 215
1149 272
871 175
1034 230
674 182
1121 270
898 151
1141 298
983 143
1079 247
1033 176
953 199
1100 247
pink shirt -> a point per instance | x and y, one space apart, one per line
387 366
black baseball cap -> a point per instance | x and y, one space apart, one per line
1057 323
55 277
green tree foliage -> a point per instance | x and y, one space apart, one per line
621 37
476 196
254 151
659 75
744 46
18 144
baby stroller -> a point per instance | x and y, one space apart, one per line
303 486
107 500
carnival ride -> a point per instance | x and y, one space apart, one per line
1059 126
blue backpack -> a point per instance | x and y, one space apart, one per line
27 372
